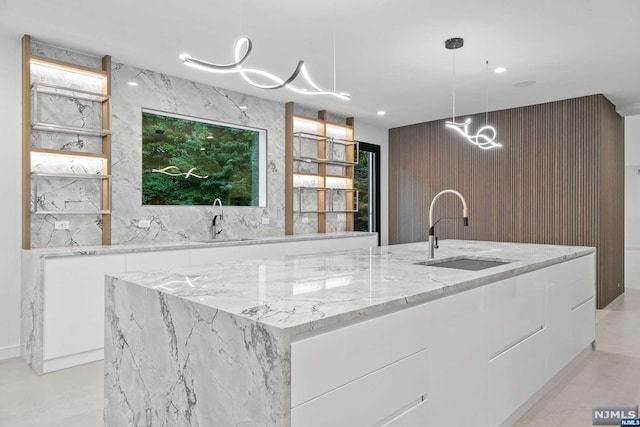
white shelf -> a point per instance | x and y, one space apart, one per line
50 127
71 175
64 175
67 92
331 193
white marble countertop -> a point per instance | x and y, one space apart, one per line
187 244
300 294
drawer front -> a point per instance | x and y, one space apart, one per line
516 375
369 400
324 362
515 308
583 325
583 286
417 416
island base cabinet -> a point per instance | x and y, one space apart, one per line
583 325
459 371
387 396
516 375
416 416
570 321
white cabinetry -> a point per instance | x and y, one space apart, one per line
570 310
72 289
486 351
370 373
369 400
457 346
74 307
516 375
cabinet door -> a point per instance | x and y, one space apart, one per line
560 350
583 285
459 377
74 303
515 308
157 260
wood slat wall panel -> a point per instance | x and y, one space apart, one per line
559 179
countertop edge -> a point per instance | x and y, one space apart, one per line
327 324
170 246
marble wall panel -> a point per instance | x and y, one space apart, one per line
32 311
80 58
160 92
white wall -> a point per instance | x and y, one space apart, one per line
379 136
632 201
10 194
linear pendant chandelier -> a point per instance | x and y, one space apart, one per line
241 53
485 137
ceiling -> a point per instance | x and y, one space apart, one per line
389 55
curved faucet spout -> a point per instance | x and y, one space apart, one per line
216 218
465 217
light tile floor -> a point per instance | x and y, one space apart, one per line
610 375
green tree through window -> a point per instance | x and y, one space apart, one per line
228 156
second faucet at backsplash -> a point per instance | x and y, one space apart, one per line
215 226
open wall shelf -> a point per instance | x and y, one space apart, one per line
319 170
42 92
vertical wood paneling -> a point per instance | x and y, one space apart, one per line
559 179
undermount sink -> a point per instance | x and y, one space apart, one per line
470 264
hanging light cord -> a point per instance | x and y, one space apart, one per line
454 87
486 96
334 45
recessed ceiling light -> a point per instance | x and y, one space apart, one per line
132 83
500 70
382 113
524 83
243 107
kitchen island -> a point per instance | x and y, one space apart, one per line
369 337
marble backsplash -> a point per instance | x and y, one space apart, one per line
170 94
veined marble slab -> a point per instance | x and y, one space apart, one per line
63 288
304 293
187 244
210 345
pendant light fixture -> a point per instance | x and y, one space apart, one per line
241 52
486 135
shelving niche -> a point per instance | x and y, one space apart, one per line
62 100
320 160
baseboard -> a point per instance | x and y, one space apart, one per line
9 352
72 360
547 387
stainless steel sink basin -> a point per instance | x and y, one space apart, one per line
471 264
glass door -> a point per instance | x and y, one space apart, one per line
367 182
